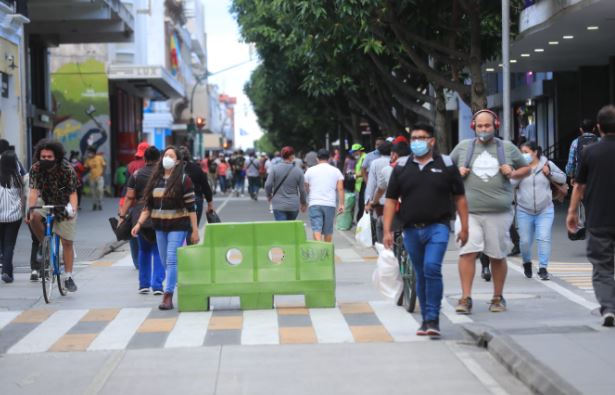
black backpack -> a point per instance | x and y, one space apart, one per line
583 141
212 166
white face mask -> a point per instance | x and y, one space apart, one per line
168 162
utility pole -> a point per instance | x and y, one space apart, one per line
505 128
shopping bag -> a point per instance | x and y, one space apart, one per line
344 220
386 276
363 233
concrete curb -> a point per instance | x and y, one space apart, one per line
540 378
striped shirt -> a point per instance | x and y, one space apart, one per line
166 214
11 208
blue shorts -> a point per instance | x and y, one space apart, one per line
321 219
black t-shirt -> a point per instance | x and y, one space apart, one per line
426 194
138 181
199 180
597 171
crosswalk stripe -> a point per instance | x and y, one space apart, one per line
330 326
7 316
260 327
48 332
400 325
189 331
118 333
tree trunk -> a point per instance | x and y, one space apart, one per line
478 99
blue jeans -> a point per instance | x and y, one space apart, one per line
535 226
281 215
240 182
253 185
426 247
147 277
168 243
134 251
222 181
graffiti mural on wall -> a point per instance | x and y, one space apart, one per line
80 94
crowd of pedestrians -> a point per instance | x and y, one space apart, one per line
486 188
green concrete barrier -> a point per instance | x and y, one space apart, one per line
255 261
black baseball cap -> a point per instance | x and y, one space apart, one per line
323 153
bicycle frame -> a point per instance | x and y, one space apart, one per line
55 243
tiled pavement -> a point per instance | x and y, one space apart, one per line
47 330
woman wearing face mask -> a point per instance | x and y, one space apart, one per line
169 200
535 210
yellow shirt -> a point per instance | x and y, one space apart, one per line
96 165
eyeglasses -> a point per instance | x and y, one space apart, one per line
419 138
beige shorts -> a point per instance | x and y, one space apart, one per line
65 229
489 233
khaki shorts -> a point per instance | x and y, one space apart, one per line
65 229
489 233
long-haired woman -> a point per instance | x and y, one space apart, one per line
169 201
11 210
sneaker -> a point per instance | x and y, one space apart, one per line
608 319
464 306
7 278
486 273
422 330
543 274
34 275
433 328
143 291
527 269
70 285
158 292
498 304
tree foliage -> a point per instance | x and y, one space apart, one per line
385 61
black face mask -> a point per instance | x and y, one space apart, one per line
46 164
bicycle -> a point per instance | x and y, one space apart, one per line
407 299
50 264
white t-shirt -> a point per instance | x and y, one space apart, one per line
322 180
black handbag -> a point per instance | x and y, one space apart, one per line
212 217
147 228
122 232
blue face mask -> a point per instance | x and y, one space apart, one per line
527 157
419 148
485 136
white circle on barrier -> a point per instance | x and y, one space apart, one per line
276 255
234 256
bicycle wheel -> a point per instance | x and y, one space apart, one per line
47 275
409 279
407 299
58 265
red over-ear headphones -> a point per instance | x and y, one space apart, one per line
496 120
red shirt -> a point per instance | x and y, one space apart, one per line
135 165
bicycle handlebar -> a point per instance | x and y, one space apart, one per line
46 206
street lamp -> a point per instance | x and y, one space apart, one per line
505 131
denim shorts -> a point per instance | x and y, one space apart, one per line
321 219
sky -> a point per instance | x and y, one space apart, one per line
225 48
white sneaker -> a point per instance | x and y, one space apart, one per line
143 291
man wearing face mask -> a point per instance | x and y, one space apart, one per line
429 186
487 164
54 182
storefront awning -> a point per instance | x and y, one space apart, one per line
79 21
148 82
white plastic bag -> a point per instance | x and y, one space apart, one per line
363 233
386 276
